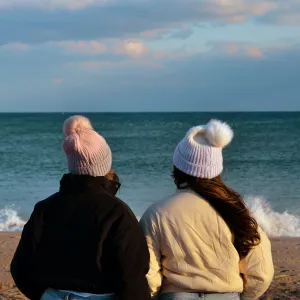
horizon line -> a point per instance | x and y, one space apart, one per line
147 112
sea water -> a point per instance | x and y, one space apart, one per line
262 162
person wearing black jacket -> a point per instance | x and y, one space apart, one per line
83 242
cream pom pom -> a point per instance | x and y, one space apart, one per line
75 124
218 133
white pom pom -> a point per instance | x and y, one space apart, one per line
75 124
218 133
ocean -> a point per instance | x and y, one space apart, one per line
262 162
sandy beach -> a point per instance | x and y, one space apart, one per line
286 256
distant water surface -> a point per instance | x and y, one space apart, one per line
262 162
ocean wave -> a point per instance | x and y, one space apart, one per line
274 224
10 221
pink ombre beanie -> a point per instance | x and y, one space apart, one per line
199 154
87 151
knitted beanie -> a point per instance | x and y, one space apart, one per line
87 152
199 154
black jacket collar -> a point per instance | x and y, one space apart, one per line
84 183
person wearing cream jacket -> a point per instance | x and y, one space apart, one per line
203 241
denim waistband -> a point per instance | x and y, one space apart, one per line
199 296
69 295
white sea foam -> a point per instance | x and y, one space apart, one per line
275 224
10 221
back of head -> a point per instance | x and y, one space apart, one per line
87 152
198 163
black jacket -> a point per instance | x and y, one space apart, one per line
83 239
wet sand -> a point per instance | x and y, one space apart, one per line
286 256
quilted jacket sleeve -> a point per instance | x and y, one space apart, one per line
150 227
257 269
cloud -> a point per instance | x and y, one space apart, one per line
133 54
132 48
240 11
110 47
120 18
153 33
237 49
49 4
217 7
16 47
83 47
231 48
57 80
100 65
289 18
182 32
237 19
287 13
158 59
195 83
109 50
254 52
86 65
205 82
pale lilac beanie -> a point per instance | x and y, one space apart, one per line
87 151
199 154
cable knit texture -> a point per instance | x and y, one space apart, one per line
87 152
199 153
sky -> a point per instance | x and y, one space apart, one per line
149 55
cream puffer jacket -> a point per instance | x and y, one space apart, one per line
191 249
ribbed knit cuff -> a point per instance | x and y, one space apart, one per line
102 167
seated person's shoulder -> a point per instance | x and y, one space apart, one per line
123 208
44 204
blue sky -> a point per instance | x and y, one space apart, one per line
149 55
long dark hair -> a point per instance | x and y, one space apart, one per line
229 204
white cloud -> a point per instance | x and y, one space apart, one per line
131 48
135 48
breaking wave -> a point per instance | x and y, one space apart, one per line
275 224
